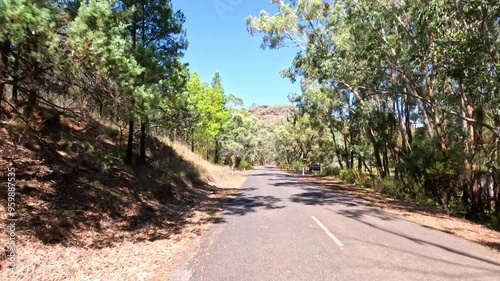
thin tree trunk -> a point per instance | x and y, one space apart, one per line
436 121
346 153
192 140
386 160
15 90
438 126
4 61
130 143
15 86
337 152
425 119
142 157
367 168
402 127
408 121
32 100
496 172
216 153
378 160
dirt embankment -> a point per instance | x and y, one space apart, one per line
83 215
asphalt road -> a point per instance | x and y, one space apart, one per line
282 228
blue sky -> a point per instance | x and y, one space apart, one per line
219 41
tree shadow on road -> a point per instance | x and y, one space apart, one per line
358 215
244 202
418 256
281 176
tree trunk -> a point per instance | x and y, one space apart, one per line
130 143
15 90
425 119
402 127
496 192
378 160
346 153
496 173
4 61
206 149
337 149
32 99
470 165
397 110
386 161
142 157
408 123
192 140
369 170
438 126
376 152
216 153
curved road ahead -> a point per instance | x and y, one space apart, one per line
280 227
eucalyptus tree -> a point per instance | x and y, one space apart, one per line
391 63
239 140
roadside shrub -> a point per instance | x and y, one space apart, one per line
392 188
283 165
348 175
366 181
244 164
297 165
331 171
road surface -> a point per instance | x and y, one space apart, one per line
280 227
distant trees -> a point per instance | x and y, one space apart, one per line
219 128
407 87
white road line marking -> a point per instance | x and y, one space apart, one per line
337 241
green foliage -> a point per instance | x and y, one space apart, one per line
297 165
283 165
331 171
208 105
98 35
244 164
349 175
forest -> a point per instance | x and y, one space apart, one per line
399 94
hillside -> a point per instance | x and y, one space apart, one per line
272 113
78 204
